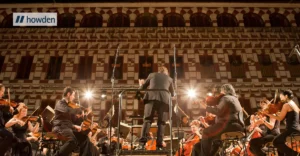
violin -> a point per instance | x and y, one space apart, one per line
210 119
94 130
30 118
272 108
37 134
213 100
115 139
5 102
74 105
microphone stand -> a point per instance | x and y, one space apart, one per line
112 98
176 105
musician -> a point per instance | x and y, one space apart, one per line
6 113
62 122
152 142
20 127
228 113
104 143
156 101
267 128
86 147
195 137
290 112
185 121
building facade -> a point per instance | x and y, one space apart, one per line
215 43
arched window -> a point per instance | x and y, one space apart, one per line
253 20
118 20
7 21
146 20
227 20
279 20
66 20
173 20
91 20
200 20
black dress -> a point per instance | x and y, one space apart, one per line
292 126
21 147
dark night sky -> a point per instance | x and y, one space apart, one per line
131 1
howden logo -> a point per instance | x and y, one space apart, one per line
20 19
34 19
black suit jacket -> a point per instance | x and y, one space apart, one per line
158 81
228 110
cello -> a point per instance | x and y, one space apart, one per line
151 144
188 146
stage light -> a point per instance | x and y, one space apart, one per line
88 94
103 94
210 94
191 93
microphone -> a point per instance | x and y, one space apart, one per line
295 51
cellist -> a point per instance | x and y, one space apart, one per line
268 129
187 145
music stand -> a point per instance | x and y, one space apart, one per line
131 129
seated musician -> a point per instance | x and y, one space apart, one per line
227 113
267 128
185 121
86 146
104 143
63 125
6 113
20 127
290 112
186 145
151 143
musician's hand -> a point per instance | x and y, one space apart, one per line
260 121
77 128
201 118
20 122
141 82
164 144
11 109
258 129
94 125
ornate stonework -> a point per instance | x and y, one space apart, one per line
158 42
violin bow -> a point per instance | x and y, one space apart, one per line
31 114
183 112
78 97
275 96
8 94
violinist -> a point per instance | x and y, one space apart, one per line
19 127
228 112
86 147
187 145
62 122
6 113
290 112
265 129
104 143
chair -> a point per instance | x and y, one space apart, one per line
271 150
50 141
293 142
230 139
